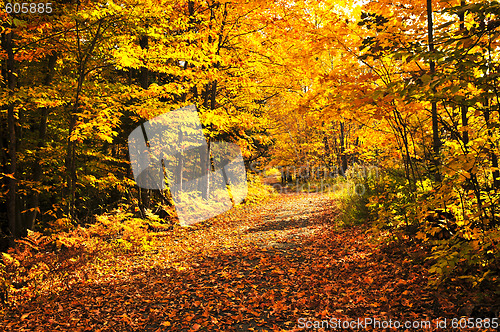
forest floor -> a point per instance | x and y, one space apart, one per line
279 266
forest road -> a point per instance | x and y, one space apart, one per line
276 266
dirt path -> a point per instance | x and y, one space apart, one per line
267 268
286 222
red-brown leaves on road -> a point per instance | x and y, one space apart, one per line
258 269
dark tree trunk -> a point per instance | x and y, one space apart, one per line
144 73
436 142
12 196
343 155
214 94
70 164
464 108
34 201
206 95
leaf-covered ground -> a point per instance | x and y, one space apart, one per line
254 269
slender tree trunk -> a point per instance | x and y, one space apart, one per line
465 120
496 172
83 57
206 154
206 95
492 146
11 80
343 156
210 96
144 73
180 166
144 82
464 108
327 153
214 94
70 164
436 142
34 201
208 168
494 160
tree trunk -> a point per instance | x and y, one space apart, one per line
33 201
436 142
464 108
83 57
496 172
208 168
206 95
180 166
343 155
11 79
70 163
144 73
214 94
